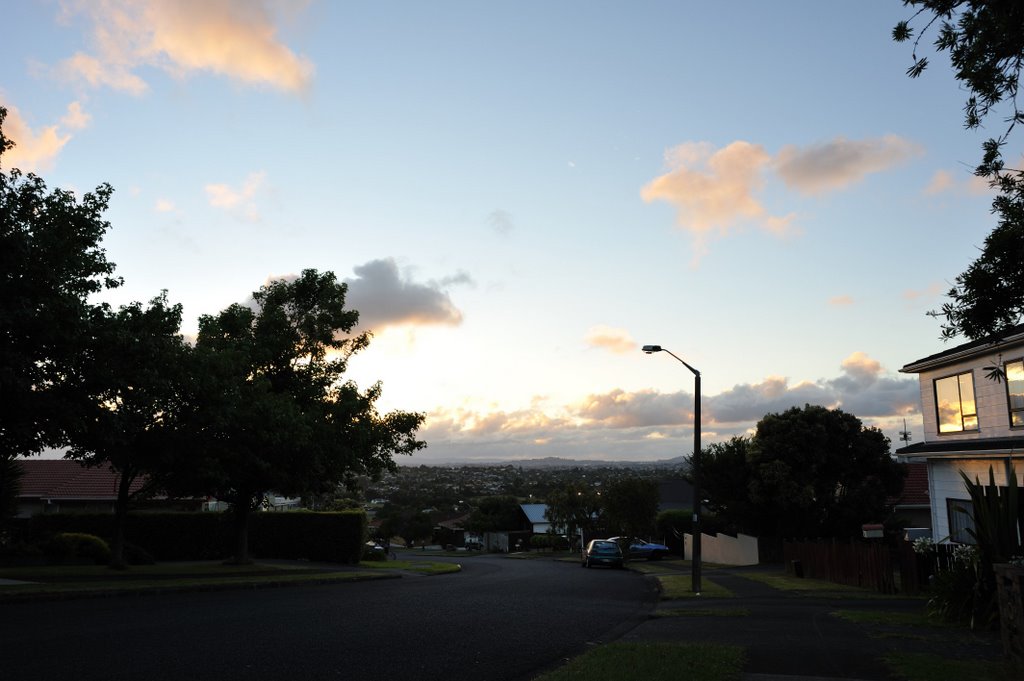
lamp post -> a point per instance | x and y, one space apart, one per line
695 562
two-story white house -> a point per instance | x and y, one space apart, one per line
972 421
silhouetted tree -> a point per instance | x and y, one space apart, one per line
270 408
130 374
630 506
985 43
51 263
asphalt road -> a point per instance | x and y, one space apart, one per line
497 620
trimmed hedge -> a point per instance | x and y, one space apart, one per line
334 537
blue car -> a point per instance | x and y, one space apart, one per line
603 552
638 549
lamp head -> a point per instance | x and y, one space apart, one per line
651 348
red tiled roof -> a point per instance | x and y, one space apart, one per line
64 479
915 487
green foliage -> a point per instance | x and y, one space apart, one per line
411 524
11 473
807 472
496 514
985 43
573 507
998 517
630 507
130 376
51 263
68 547
967 591
269 408
725 478
335 537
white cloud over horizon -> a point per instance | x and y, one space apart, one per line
641 421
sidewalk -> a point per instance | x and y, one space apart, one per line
790 636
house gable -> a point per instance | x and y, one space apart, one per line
979 434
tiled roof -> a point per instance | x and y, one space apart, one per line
915 487
64 479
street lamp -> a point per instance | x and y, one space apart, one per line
695 466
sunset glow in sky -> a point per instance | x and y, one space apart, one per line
520 196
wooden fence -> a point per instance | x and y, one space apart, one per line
871 565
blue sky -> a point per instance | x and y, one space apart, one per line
522 196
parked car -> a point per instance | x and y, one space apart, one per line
603 552
639 549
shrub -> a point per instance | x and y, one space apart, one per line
70 547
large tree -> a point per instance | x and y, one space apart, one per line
130 374
631 506
725 476
270 408
985 43
818 472
51 263
571 508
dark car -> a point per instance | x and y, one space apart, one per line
602 552
639 549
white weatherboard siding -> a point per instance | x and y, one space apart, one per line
944 482
990 397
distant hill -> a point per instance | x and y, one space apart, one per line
551 462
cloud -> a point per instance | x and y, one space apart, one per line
384 298
75 118
34 149
614 340
644 424
840 301
934 289
164 206
944 182
240 200
233 38
501 222
839 163
713 190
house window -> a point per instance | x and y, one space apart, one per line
961 519
1015 391
954 402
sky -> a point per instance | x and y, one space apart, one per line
521 195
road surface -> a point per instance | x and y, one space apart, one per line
499 620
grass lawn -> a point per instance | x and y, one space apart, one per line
885 617
811 587
678 586
56 580
653 662
927 667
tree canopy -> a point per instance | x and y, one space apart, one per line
51 262
269 408
572 507
130 378
631 507
807 472
985 43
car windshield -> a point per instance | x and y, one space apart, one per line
605 547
